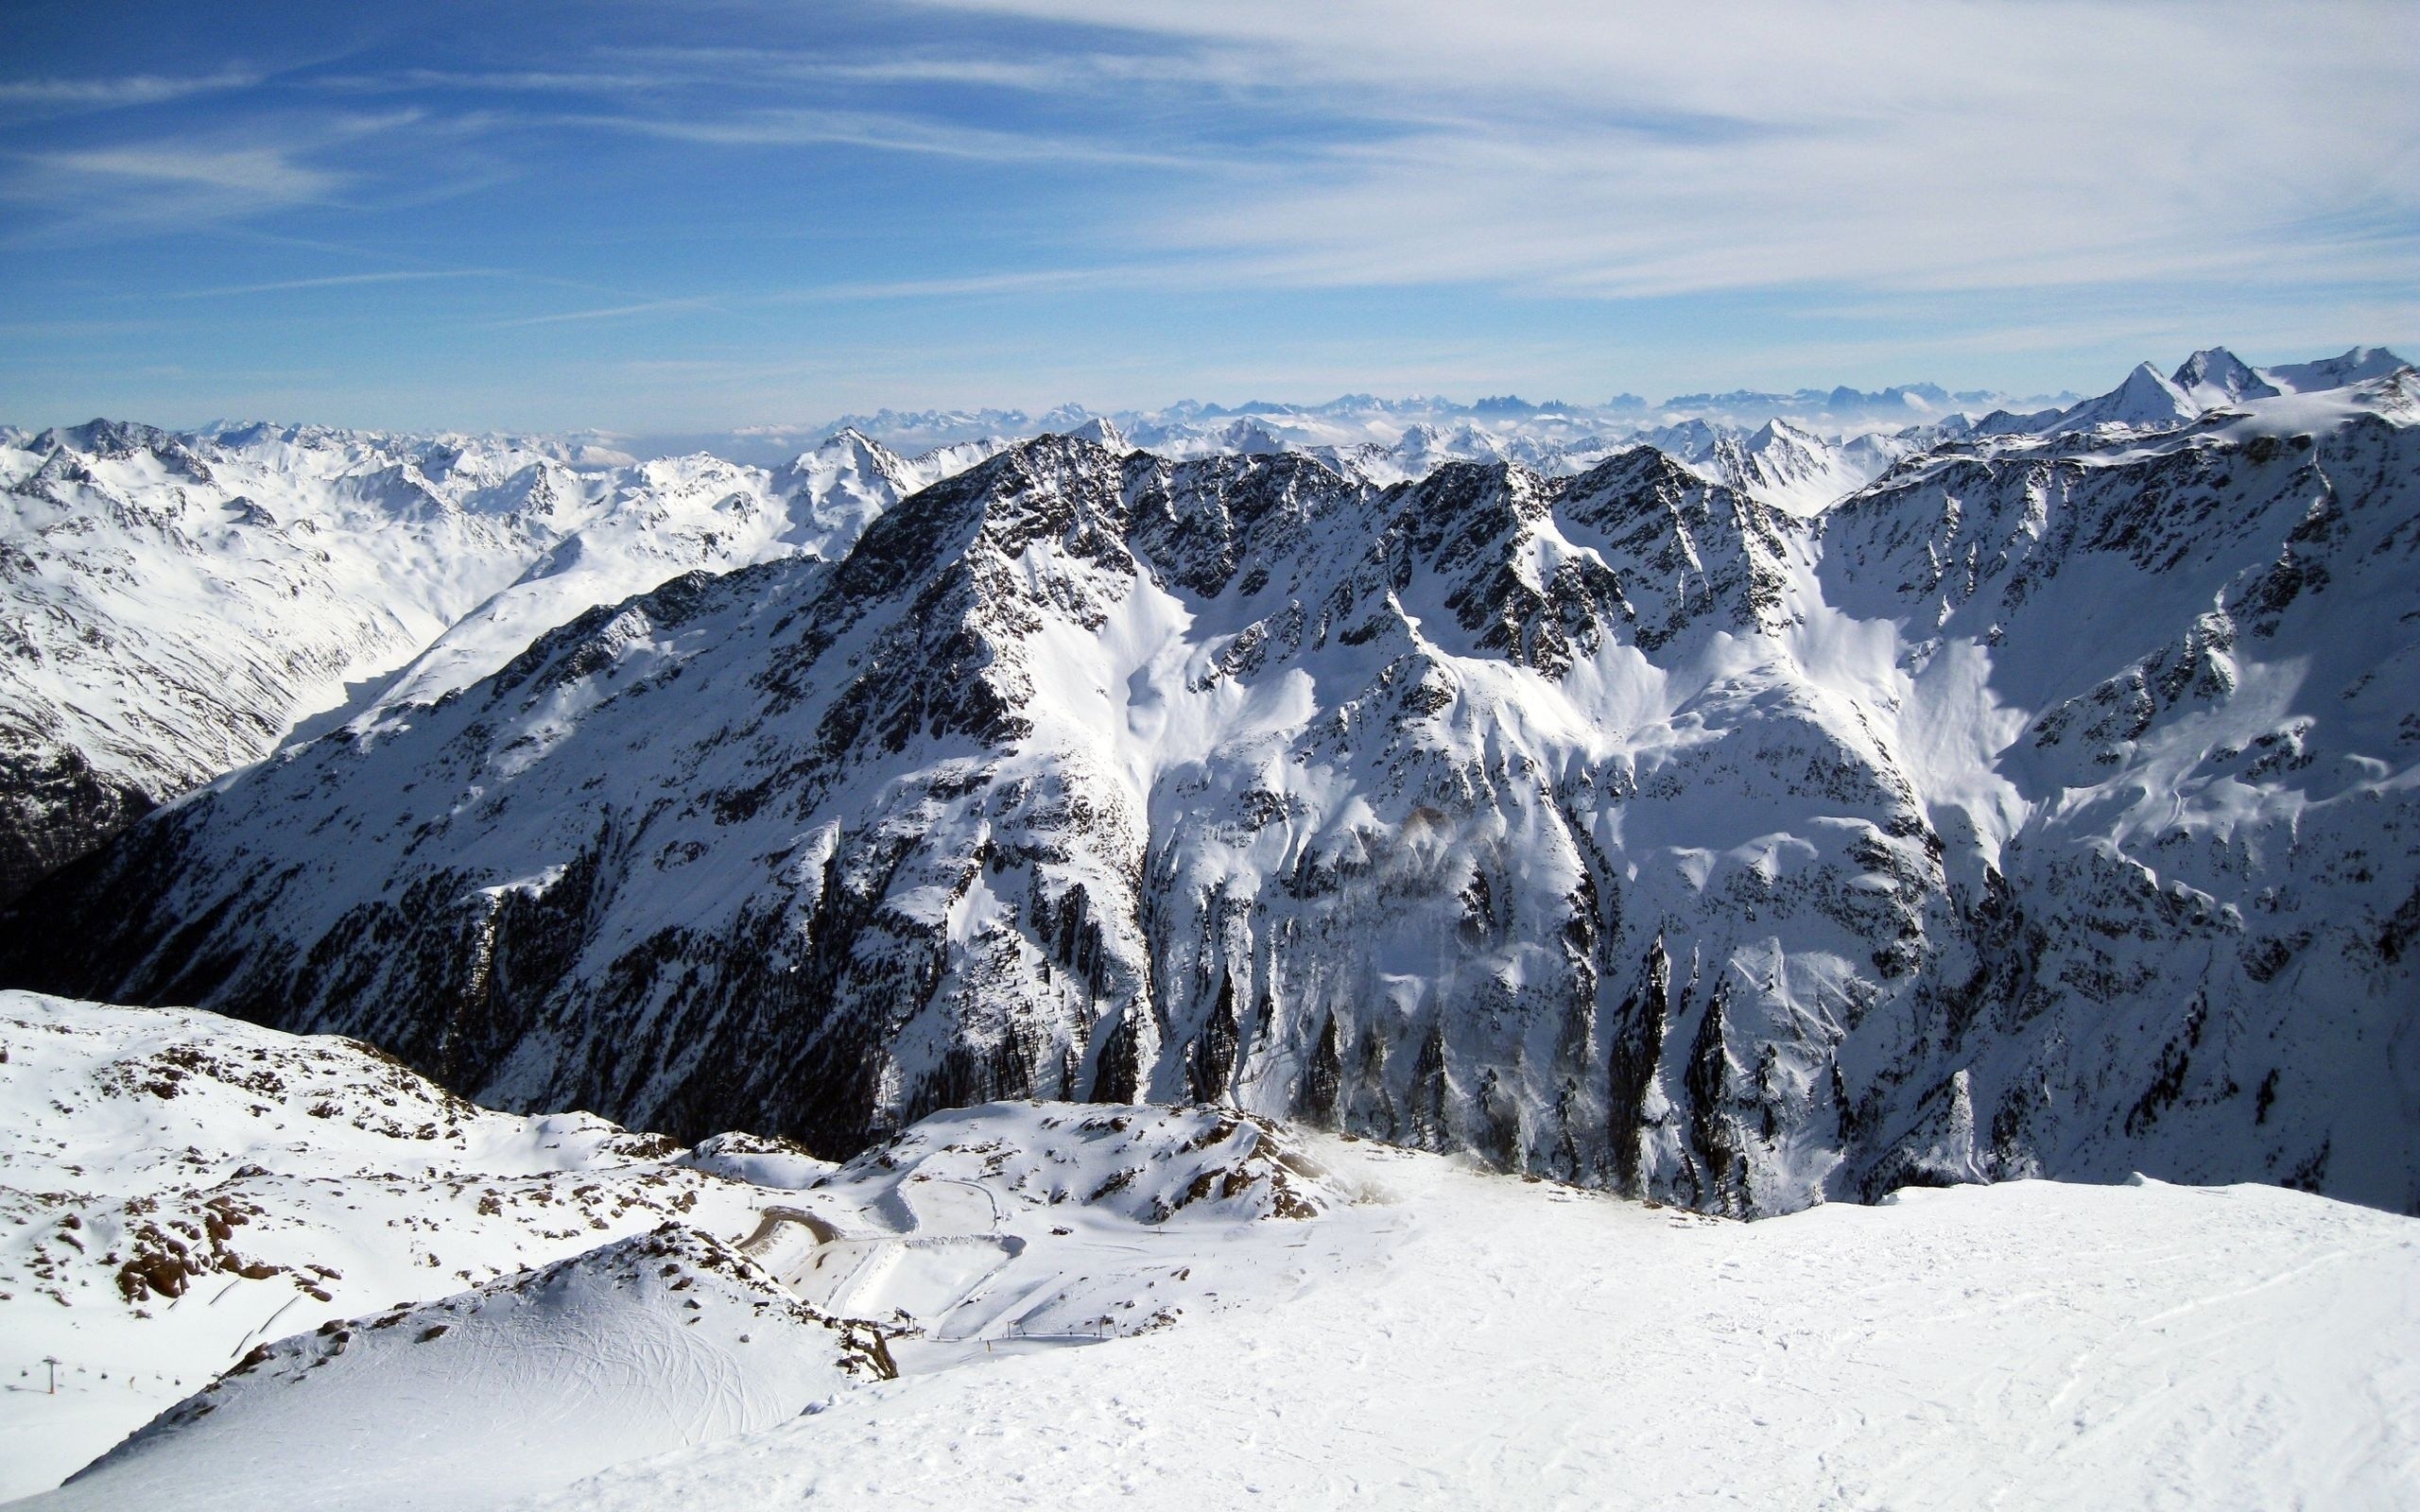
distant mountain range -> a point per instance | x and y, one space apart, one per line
1366 419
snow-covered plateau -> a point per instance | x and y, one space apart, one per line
286 1273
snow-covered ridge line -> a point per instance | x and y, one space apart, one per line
1393 433
1355 419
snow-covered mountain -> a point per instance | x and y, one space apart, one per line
179 603
2216 377
2210 380
2007 817
1394 442
660 519
1045 1304
2358 364
2145 401
1778 463
174 605
1367 419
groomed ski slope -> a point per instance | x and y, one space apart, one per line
1478 1341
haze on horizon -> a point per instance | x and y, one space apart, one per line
659 218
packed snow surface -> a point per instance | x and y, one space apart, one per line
1053 1305
1479 1341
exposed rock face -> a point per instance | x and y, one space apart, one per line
54 808
2045 807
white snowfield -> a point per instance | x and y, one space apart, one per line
1482 1342
1057 1305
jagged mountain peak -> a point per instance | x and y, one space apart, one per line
105 437
2215 376
2356 365
1101 430
1780 431
2147 399
848 439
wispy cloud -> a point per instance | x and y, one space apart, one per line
1268 190
611 312
887 133
261 173
45 96
335 280
1565 148
1035 280
665 70
229 171
566 81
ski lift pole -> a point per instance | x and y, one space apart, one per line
54 1362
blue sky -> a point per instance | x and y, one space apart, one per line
668 217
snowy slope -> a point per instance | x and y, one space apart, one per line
2358 364
174 605
670 517
189 1195
656 1342
1480 1342
988 1229
1782 465
2044 808
181 1187
1191 1306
